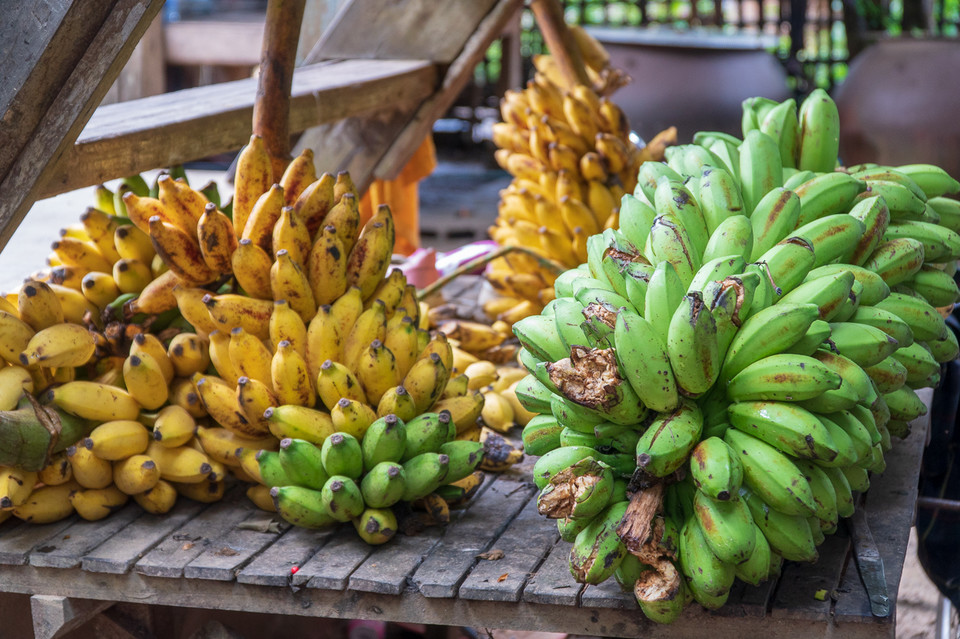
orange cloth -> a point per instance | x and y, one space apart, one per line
402 196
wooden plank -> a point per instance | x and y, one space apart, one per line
553 583
331 566
487 516
56 616
176 127
118 554
387 569
223 559
752 601
219 42
17 542
387 27
456 78
273 566
524 544
171 556
608 594
145 74
890 509
76 99
800 582
40 43
68 550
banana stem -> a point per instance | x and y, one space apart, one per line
29 435
560 42
483 261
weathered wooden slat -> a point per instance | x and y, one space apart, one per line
386 570
17 542
214 42
126 138
331 566
488 515
753 601
524 544
68 550
75 100
440 28
273 566
553 583
171 556
224 558
800 582
607 595
117 554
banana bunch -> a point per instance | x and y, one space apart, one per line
359 479
721 375
571 158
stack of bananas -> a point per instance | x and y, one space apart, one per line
572 159
721 376
271 343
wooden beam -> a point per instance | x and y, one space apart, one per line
122 139
456 78
54 616
61 122
213 42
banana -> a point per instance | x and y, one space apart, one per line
174 426
932 180
135 474
145 381
901 201
788 535
288 281
15 487
68 345
707 574
57 471
87 469
426 433
352 417
299 422
179 251
692 346
47 504
423 474
771 474
425 381
782 377
726 526
302 507
936 286
230 310
291 381
886 322
644 362
760 167
944 350
670 241
772 219
597 550
862 343
38 306
383 485
766 333
99 288
888 375
15 336
614 401
716 470
896 260
399 402
376 525
787 427
251 265
667 442
719 197
368 260
924 320
118 439
264 214
342 455
904 404
819 132
302 463
92 400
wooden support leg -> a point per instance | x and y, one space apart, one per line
55 616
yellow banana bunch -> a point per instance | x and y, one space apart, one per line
572 160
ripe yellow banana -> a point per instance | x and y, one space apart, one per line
314 203
230 310
15 486
158 500
184 464
290 234
174 426
219 351
189 353
286 324
131 276
135 474
132 243
92 400
289 282
370 256
335 381
14 381
145 381
38 305
291 380
249 356
217 239
251 267
118 439
158 296
57 471
81 254
345 217
191 303
89 470
255 398
371 324
220 400
299 174
253 179
179 251
265 213
378 371
47 505
324 341
352 417
327 266
59 345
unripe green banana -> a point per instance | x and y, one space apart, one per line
629 571
760 167
621 439
862 343
706 572
674 199
637 278
563 286
850 305
599 323
667 442
533 395
788 535
383 485
886 322
755 569
644 362
847 450
933 180
302 463
875 215
949 211
857 477
827 292
341 496
574 416
580 491
538 334
824 494
568 316
670 242
692 346
812 340
664 293
923 319
888 375
384 441
878 463
901 201
782 124
649 177
945 349
727 527
766 333
587 296
793 180
889 174
904 404
771 474
831 236
541 435
426 433
936 286
787 427
636 218
570 437
716 469
819 132
782 377
827 194
940 244
728 308
614 401
719 197
271 470
773 219
853 376
464 456
864 415
733 236
301 506
342 455
788 263
423 474
597 550
874 288
896 260
661 593
841 488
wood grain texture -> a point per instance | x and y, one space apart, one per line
553 583
223 559
387 28
168 129
68 549
387 569
274 566
17 541
77 97
333 564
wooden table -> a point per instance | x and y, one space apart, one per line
222 557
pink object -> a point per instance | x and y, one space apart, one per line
420 268
452 260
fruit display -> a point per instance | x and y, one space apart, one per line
717 381
175 343
571 158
